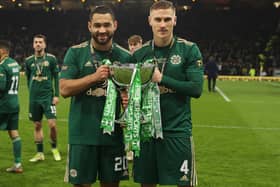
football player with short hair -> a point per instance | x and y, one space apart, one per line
134 43
9 104
179 75
42 79
84 77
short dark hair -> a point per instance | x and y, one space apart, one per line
162 4
5 44
102 9
41 36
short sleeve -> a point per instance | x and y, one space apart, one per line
3 79
69 69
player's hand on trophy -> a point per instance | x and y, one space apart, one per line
157 76
124 98
102 73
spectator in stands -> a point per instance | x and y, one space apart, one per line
252 71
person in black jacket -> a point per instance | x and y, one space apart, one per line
211 70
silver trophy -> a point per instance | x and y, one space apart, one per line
123 74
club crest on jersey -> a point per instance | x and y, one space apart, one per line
46 63
175 59
73 173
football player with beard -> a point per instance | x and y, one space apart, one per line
41 70
83 78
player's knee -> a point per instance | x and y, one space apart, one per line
38 125
52 123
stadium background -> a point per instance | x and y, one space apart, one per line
238 33
237 140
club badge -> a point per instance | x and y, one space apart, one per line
175 59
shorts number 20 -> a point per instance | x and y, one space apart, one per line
120 163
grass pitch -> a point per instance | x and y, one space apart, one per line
236 142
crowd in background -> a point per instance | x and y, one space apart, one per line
237 39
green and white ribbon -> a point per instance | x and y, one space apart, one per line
144 108
109 113
132 131
147 130
156 122
152 125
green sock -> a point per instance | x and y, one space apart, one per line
40 146
17 149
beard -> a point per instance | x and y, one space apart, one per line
38 50
102 39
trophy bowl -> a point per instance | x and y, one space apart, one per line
122 75
146 71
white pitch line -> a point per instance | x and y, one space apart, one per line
237 127
222 94
273 84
